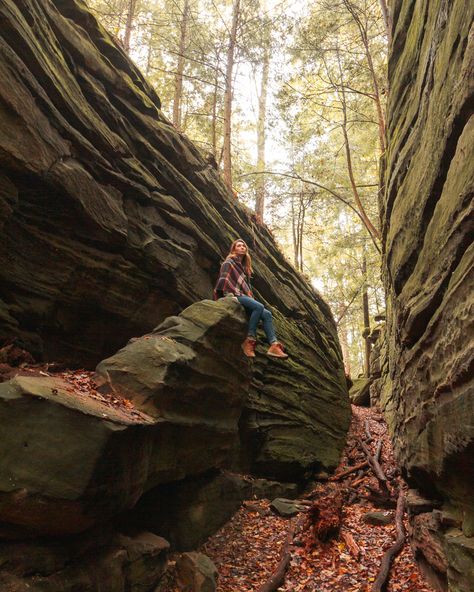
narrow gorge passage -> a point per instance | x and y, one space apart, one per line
247 550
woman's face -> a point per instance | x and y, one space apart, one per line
240 248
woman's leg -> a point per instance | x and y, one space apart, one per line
255 309
268 326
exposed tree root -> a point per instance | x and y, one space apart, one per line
278 576
382 576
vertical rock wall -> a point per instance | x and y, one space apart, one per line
428 223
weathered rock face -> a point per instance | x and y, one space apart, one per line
187 512
70 462
111 220
427 227
100 561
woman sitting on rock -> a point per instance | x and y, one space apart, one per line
234 281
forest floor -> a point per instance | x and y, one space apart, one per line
329 547
247 550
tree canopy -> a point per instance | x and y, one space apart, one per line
288 101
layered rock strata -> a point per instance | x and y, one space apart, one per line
111 220
97 561
428 223
70 461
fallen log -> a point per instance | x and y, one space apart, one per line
278 576
357 481
394 549
379 450
367 432
348 471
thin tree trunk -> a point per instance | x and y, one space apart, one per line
178 80
214 112
365 311
365 42
342 330
149 53
293 227
129 25
387 20
378 103
301 232
228 95
368 224
261 135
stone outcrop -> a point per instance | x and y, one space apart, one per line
111 220
100 561
196 573
427 217
359 393
112 223
69 462
187 512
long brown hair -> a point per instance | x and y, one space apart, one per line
246 259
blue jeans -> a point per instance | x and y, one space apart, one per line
258 311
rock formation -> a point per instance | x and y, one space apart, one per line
70 462
112 222
427 229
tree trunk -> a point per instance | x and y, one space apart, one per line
366 220
342 330
375 84
178 80
365 41
227 150
132 4
295 235
365 311
262 116
387 19
301 232
214 112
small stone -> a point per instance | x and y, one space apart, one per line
196 573
287 508
378 518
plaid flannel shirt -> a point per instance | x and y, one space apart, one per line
232 280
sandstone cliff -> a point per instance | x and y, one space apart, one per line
427 216
111 220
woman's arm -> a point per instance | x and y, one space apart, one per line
223 285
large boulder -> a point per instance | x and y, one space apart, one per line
428 221
70 460
99 561
111 220
188 511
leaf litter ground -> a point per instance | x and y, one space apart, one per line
247 549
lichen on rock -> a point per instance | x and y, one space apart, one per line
427 226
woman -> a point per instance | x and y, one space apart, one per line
234 281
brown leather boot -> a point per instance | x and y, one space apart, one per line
276 350
248 347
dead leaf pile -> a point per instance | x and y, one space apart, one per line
247 549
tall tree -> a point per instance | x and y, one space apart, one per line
132 5
229 74
387 18
361 21
262 118
181 55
